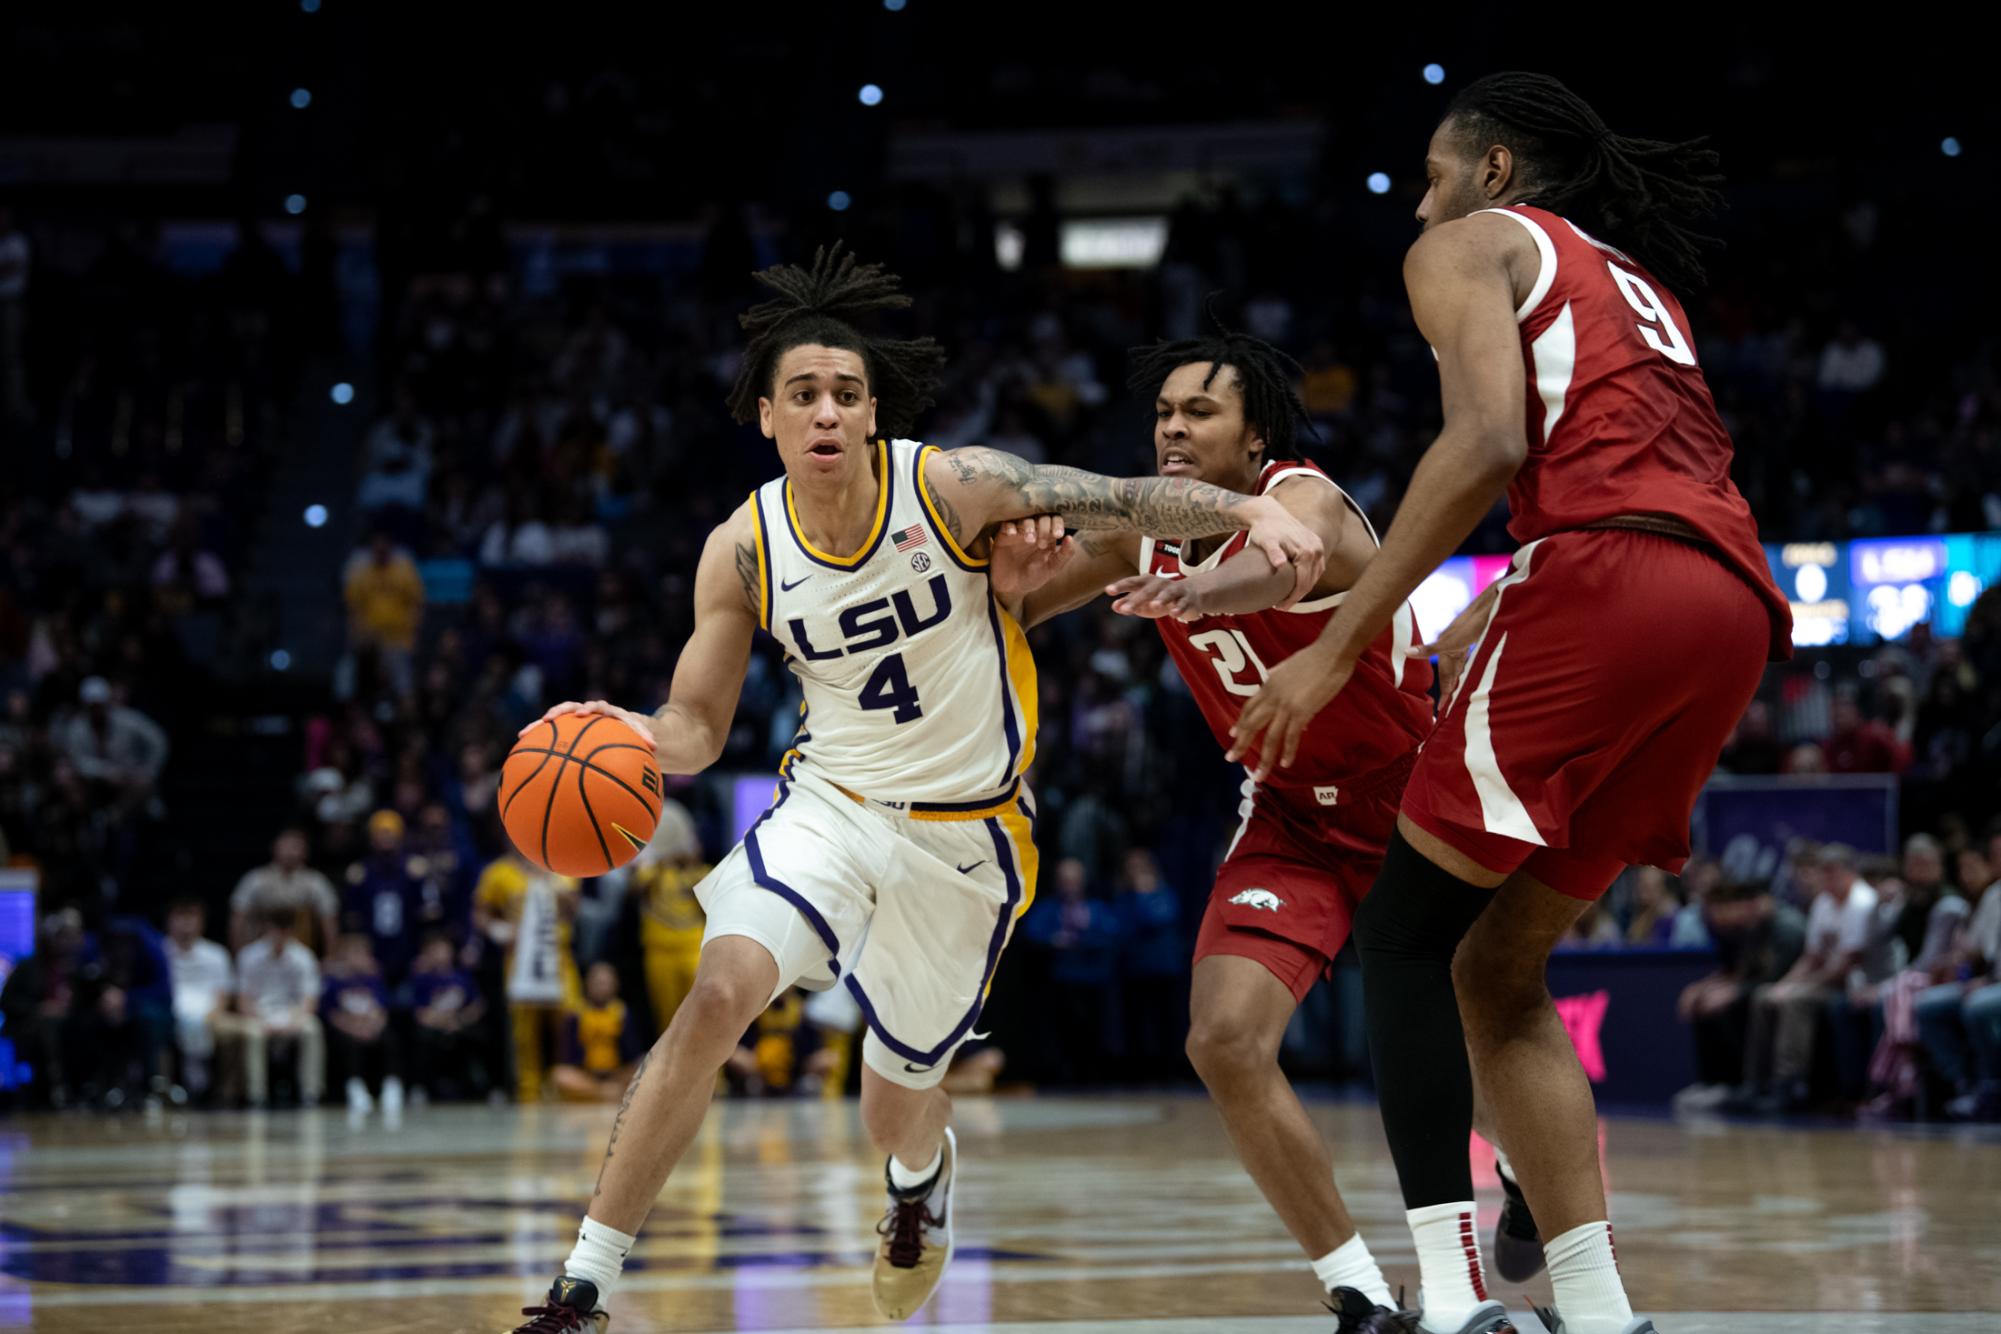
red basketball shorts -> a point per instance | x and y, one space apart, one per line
1608 679
1287 892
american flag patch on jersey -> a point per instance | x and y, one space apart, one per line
913 536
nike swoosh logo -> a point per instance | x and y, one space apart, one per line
974 867
787 588
918 1069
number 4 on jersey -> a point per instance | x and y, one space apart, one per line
889 688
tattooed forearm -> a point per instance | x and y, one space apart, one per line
746 570
618 1122
1163 506
953 521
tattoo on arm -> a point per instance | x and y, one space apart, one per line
952 520
618 1122
746 570
1162 506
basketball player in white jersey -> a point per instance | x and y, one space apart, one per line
898 851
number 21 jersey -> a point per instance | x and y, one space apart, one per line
1379 717
919 687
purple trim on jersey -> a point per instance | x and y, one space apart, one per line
765 880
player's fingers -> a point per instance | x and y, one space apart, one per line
1121 587
1050 528
1246 729
1295 726
1274 549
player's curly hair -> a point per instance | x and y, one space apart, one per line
1642 195
821 305
1265 378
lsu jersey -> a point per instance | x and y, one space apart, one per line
919 686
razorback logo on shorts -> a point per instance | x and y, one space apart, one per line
1261 899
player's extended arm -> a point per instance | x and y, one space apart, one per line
1462 297
1461 287
976 488
1239 586
688 731
1037 572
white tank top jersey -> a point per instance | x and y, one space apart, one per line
919 686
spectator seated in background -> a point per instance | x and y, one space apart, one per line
780 1053
1154 967
204 981
1758 940
279 983
361 1045
384 897
398 458
1919 919
50 1003
1656 910
601 1043
1959 1020
445 1016
118 749
1786 1014
285 884
1080 935
385 607
136 1009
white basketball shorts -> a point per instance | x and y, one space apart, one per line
907 906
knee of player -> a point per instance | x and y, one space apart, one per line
1224 1047
1498 984
720 1002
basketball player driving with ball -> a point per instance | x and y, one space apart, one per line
898 851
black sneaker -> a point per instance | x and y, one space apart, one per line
571 1309
1356 1314
1518 1253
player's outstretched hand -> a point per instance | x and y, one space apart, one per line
1276 717
638 722
1454 648
1287 541
1155 598
1027 554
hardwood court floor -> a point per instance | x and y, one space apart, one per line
1076 1216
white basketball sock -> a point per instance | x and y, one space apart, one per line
1350 1265
1584 1271
1448 1264
599 1257
1503 1166
904 1178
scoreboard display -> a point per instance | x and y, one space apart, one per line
1868 591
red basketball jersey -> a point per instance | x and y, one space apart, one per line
1377 719
1620 419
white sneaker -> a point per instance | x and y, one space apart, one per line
392 1096
358 1100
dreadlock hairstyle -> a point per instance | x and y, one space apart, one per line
821 305
1265 378
1640 194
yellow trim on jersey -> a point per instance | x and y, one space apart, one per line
883 483
763 563
999 808
930 508
1021 676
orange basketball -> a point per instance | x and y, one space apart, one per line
579 794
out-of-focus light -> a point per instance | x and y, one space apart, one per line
301 98
1434 73
1963 588
310 6
316 516
343 393
1379 182
893 6
871 94
280 660
295 204
1949 146
1810 582
839 201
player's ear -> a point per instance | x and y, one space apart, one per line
764 419
871 418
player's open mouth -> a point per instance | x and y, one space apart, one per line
1174 463
824 449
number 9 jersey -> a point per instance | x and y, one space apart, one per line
1377 720
919 687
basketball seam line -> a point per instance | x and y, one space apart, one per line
526 781
599 770
583 772
549 809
